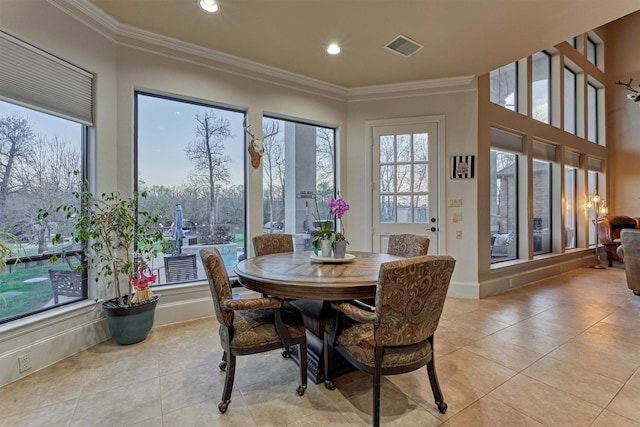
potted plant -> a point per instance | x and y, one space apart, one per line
326 238
322 239
120 242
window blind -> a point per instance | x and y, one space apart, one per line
34 78
544 151
504 140
571 159
594 164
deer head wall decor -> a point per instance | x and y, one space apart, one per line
635 93
256 146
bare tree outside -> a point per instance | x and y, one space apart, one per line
44 180
16 140
209 156
273 163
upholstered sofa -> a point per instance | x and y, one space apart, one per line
630 251
609 228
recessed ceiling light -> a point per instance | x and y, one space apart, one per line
333 49
209 5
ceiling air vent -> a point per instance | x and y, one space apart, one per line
403 46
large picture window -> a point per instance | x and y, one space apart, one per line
504 206
298 177
190 161
38 156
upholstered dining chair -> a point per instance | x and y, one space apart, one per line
398 336
250 326
266 244
407 245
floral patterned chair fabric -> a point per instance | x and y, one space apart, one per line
398 336
408 245
249 326
266 244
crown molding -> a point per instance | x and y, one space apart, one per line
128 36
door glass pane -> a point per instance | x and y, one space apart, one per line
387 179
387 149
387 209
420 147
404 148
420 177
404 209
504 206
405 175
421 209
404 178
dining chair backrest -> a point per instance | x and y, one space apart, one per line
267 244
410 297
408 245
180 268
218 283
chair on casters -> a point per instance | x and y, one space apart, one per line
180 268
392 339
250 326
408 245
405 246
266 244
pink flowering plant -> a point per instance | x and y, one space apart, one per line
337 208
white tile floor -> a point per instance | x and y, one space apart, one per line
560 352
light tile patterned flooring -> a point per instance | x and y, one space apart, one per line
560 352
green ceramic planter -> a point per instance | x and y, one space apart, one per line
132 324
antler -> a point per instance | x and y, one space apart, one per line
628 85
635 96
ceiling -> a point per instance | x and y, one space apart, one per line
460 37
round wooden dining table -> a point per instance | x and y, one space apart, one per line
297 275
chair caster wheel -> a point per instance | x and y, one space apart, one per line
223 366
636 293
300 390
223 406
330 385
286 354
442 407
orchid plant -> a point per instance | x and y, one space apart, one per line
337 208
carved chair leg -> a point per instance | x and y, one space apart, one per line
228 383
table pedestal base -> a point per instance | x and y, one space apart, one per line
316 315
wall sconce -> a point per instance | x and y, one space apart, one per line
594 202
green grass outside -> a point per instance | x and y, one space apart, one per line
33 296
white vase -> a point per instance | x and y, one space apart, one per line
325 248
